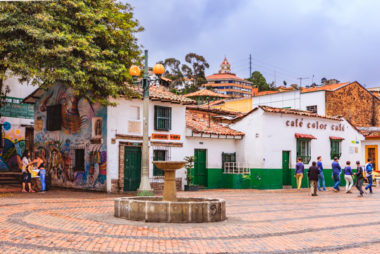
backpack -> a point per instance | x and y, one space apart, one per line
368 169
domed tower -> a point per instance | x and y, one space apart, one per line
225 67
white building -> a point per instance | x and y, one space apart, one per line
92 147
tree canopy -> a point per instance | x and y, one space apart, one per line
194 70
259 81
87 45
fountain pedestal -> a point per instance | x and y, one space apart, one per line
169 208
169 168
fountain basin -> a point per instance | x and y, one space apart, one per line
184 210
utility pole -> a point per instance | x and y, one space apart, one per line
302 78
250 65
145 187
275 79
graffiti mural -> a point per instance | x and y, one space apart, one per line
12 145
74 156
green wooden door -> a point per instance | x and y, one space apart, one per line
200 167
286 175
132 168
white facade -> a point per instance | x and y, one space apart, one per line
17 89
214 146
126 120
292 99
268 134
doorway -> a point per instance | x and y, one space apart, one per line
132 168
371 152
286 175
29 139
200 171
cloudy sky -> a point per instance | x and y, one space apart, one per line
288 39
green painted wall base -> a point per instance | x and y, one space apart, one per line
260 178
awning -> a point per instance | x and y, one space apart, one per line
305 136
336 138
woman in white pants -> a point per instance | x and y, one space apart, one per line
348 177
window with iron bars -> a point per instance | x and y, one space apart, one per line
162 118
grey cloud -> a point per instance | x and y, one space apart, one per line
292 38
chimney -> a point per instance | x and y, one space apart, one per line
255 91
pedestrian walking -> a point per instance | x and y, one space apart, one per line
348 177
26 174
313 174
359 178
298 174
368 171
321 177
41 166
336 171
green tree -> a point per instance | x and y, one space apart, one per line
195 71
87 45
259 81
173 71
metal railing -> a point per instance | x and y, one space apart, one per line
236 168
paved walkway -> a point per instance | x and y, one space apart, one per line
283 221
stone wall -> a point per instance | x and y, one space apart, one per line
354 103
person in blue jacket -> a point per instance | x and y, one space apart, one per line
321 177
368 171
336 170
298 174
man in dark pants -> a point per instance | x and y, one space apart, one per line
359 179
313 174
336 170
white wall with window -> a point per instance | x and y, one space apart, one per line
125 125
314 99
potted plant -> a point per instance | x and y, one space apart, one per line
189 165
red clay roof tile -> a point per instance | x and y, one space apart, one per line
205 93
306 136
198 122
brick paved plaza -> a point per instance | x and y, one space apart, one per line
283 221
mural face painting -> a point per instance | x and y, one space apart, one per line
75 149
12 146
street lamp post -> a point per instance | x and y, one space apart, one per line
145 188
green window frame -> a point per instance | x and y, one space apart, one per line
162 118
335 148
228 157
304 150
158 155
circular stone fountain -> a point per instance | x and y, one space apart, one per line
169 208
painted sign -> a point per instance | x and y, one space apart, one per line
175 137
160 136
314 125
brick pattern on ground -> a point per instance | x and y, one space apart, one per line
281 221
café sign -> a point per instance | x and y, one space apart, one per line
300 123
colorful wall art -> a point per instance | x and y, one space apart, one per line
75 154
12 145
